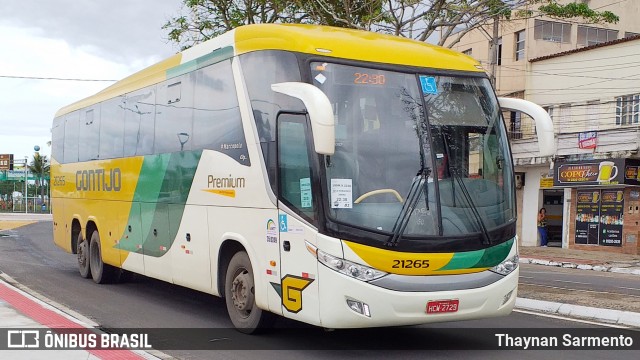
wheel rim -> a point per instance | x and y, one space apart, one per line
82 254
242 292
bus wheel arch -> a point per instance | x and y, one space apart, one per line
76 229
237 285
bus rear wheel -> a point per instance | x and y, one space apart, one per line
100 272
82 250
239 290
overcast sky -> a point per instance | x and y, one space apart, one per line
97 39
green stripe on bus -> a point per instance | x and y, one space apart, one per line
495 255
214 57
163 188
464 260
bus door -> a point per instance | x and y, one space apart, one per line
297 208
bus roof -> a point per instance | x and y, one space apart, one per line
309 39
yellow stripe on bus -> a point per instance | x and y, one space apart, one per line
404 263
350 44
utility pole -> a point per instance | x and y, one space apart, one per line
26 196
494 50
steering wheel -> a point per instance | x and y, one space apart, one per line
379 191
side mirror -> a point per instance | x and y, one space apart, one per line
320 113
544 125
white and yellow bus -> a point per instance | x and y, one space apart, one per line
336 177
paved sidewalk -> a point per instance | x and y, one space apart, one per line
20 310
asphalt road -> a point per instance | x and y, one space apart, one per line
30 257
551 276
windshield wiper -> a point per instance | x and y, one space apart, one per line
419 183
455 173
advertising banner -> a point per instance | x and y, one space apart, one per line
6 161
611 217
588 140
587 217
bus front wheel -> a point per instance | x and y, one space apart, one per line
239 291
100 272
82 252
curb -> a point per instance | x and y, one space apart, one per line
70 315
570 265
617 317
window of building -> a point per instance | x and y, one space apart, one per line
515 125
629 34
520 45
468 52
549 110
552 31
564 117
499 51
588 36
627 109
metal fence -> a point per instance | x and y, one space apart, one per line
9 203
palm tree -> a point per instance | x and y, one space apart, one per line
39 167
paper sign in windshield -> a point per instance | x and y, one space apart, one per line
305 192
341 193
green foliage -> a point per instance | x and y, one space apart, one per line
418 19
40 168
578 10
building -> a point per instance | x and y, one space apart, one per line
583 75
594 96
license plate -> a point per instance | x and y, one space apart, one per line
442 306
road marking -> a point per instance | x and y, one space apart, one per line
628 288
527 277
570 319
573 282
588 291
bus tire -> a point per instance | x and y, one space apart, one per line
100 272
82 251
239 291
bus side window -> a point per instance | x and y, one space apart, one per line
294 164
112 128
71 133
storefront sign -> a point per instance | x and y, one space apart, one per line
587 217
593 172
632 172
588 140
611 217
546 182
6 161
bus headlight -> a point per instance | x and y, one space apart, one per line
360 272
507 266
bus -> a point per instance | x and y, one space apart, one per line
336 177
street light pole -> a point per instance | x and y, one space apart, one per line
26 196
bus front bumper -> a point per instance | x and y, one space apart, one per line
395 308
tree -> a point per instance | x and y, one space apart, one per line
423 20
39 167
205 19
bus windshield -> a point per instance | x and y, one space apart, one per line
416 155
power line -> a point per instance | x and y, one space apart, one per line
50 78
